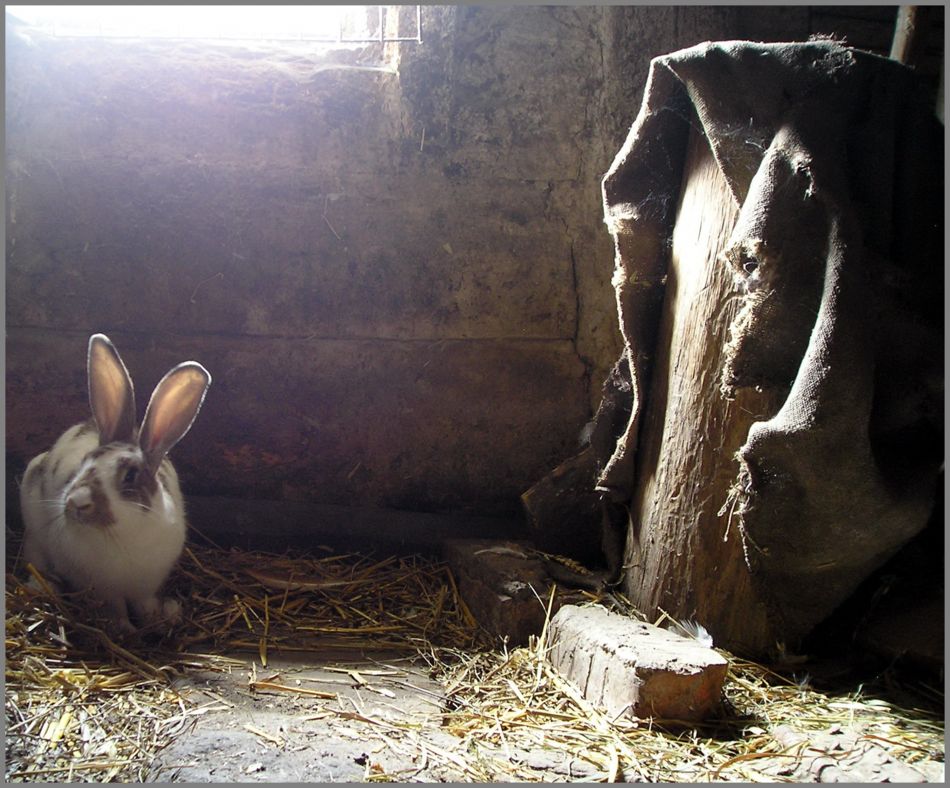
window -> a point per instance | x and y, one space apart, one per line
322 25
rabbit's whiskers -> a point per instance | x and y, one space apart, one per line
58 516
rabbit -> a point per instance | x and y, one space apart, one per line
102 509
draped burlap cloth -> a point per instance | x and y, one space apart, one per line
835 158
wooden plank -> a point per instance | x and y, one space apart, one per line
254 524
869 34
683 557
912 31
873 12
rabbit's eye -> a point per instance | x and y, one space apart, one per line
130 477
134 483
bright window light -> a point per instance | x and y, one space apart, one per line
320 23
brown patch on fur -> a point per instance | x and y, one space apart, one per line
142 487
100 513
40 467
86 427
101 451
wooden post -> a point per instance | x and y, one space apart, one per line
910 34
683 556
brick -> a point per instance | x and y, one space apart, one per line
629 667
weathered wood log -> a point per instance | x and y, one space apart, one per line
682 556
911 30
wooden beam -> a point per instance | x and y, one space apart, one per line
910 34
684 555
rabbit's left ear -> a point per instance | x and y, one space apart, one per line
172 410
111 396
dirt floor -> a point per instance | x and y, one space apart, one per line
384 723
352 719
364 719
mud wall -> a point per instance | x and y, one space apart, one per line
396 272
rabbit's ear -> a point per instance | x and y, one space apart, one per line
172 410
111 397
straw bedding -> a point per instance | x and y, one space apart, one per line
83 706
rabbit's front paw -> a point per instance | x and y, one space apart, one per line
158 611
171 610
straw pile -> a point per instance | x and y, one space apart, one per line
82 706
515 712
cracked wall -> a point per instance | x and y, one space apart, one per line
400 280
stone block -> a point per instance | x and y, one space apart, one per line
504 585
629 667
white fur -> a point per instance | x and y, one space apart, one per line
121 564
121 552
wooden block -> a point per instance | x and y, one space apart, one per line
504 585
629 667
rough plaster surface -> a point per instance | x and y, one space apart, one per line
283 419
395 278
387 306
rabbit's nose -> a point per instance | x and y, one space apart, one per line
79 503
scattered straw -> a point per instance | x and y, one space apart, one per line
81 705
522 722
